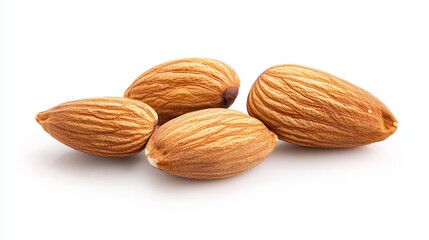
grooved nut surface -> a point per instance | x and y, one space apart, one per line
185 85
210 144
312 108
109 126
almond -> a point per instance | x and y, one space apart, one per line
210 144
109 126
312 108
185 85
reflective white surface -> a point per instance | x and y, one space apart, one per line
56 51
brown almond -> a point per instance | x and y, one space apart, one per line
210 144
185 85
309 107
109 126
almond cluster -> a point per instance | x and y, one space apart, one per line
199 138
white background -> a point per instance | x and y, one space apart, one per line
56 51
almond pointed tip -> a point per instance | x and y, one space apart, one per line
152 161
40 117
390 122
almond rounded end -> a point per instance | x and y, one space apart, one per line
127 93
229 95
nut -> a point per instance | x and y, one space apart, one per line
312 108
185 85
109 126
210 144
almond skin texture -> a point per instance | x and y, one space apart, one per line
185 85
109 126
210 144
312 108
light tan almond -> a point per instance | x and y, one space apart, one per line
109 126
308 107
210 144
185 85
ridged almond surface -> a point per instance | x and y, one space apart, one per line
185 85
210 144
109 126
312 108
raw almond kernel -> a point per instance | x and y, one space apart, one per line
312 108
109 126
185 85
210 144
